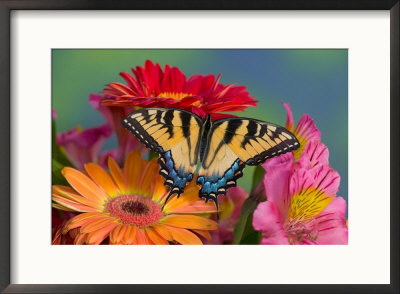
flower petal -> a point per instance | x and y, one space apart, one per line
332 224
70 194
267 219
289 117
83 146
163 232
117 175
97 224
205 234
72 205
129 236
155 237
117 234
190 222
80 239
84 185
188 202
101 178
183 236
147 177
305 131
315 153
140 237
278 171
133 170
96 237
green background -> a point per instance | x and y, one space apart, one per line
311 81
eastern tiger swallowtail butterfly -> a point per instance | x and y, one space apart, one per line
224 147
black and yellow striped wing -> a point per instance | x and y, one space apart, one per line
174 135
235 142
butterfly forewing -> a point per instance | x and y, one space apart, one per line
232 144
174 135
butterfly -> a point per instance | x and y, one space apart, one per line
223 147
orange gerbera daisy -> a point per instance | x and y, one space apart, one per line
125 206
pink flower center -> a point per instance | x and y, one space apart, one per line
299 232
136 210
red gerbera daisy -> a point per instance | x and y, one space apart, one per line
150 86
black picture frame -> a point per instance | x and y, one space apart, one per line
6 7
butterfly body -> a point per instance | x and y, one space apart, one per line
223 147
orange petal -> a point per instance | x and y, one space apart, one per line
71 194
61 207
197 207
130 234
76 224
190 222
83 216
148 240
133 170
80 239
117 175
115 235
188 199
158 190
72 204
204 234
73 233
83 184
97 224
102 178
96 237
140 237
184 237
163 232
148 174
156 238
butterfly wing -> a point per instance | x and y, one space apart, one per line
174 135
235 142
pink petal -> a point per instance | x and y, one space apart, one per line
82 147
322 177
289 117
103 157
306 129
278 171
314 153
326 179
267 219
332 224
237 196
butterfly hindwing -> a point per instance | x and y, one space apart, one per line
235 142
174 135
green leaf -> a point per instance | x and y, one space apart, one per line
244 232
250 236
258 175
244 227
57 177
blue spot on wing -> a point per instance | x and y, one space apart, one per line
214 185
176 178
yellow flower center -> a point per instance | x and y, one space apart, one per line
174 95
304 207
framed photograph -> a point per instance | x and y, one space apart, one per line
245 129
